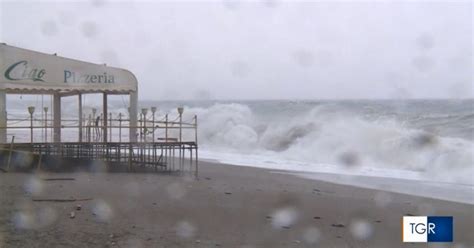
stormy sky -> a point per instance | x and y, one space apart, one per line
261 49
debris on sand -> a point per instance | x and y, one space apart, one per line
338 225
72 215
62 200
59 179
78 207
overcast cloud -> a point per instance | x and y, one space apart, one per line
261 49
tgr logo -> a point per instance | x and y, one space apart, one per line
427 229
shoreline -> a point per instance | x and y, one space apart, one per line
447 191
229 206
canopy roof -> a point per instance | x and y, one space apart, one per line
26 71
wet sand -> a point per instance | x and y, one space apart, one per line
229 206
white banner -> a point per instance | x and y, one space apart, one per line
24 70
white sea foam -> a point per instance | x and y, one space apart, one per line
338 142
322 141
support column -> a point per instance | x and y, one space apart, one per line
57 118
80 117
106 116
3 117
133 116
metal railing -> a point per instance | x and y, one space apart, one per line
165 142
91 128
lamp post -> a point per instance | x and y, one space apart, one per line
180 112
153 110
31 110
181 152
144 112
166 128
94 133
45 124
120 127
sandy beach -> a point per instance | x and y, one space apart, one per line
228 206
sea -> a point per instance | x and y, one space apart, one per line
420 147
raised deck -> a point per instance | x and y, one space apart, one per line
163 156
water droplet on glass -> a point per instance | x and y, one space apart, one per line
49 28
89 29
23 220
382 199
271 3
349 159
284 217
109 57
23 160
304 58
46 216
134 243
239 69
66 18
132 188
423 63
98 3
185 229
311 235
425 41
361 229
102 210
426 209
231 4
176 190
30 218
33 185
423 140
97 166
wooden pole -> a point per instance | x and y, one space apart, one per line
110 129
57 118
89 129
3 117
153 127
144 125
39 161
120 127
45 109
196 141
166 128
10 153
80 117
104 105
31 127
181 155
133 116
